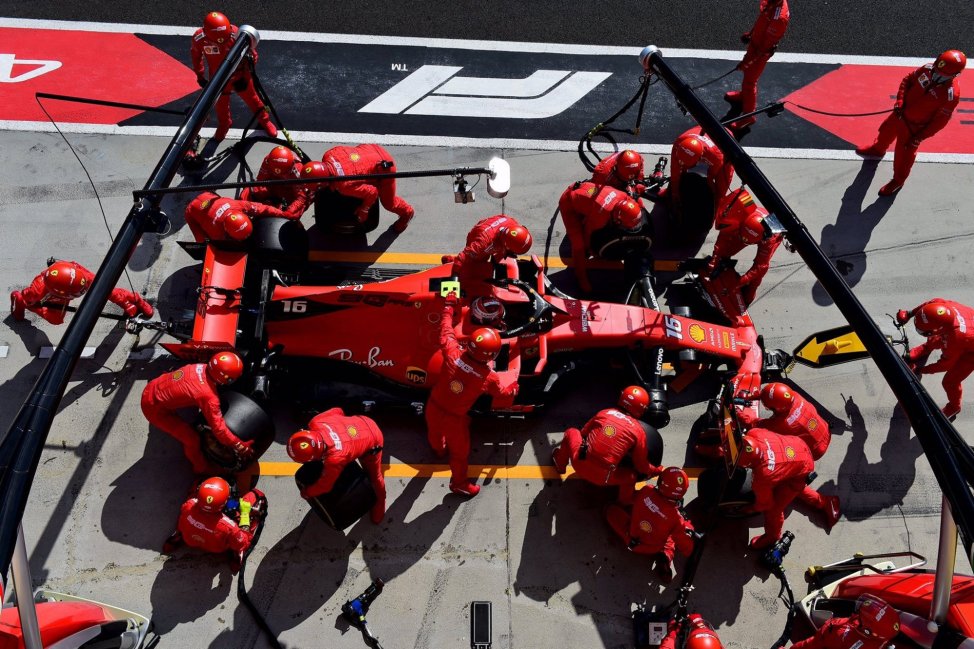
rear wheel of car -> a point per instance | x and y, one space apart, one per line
654 444
277 239
731 495
335 213
697 216
248 421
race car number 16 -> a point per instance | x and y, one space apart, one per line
673 327
297 306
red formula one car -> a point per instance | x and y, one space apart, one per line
309 328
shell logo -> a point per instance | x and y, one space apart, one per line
456 387
697 333
812 424
355 157
591 191
178 374
609 431
352 431
205 204
790 453
645 526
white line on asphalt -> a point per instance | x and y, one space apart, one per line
48 351
4 350
494 46
470 142
147 354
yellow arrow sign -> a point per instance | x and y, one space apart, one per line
831 347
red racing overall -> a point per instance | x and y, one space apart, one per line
921 110
293 200
606 173
840 633
205 215
485 245
779 477
461 382
38 299
762 41
719 173
213 531
189 386
956 347
348 439
730 242
206 53
600 447
367 159
655 525
586 208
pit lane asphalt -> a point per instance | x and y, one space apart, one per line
107 491
894 28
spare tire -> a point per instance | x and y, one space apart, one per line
282 240
616 244
696 218
335 213
247 420
349 500
654 444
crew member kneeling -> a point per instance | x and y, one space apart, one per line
210 521
337 440
874 624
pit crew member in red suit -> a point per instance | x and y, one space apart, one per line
619 170
465 376
792 414
948 327
338 440
489 241
689 150
586 208
762 42
195 385
739 224
368 159
53 289
215 218
206 522
872 626
597 451
280 164
211 44
924 104
700 636
780 465
656 526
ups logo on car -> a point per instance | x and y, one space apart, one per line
415 375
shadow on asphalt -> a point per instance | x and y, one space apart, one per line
845 241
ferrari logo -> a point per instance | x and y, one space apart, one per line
456 387
352 431
224 358
697 333
304 446
790 453
609 431
786 394
209 499
53 273
679 479
940 309
645 526
479 339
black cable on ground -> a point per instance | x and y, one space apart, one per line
602 127
825 112
242 589
715 80
101 207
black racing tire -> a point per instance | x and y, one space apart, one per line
349 500
277 239
654 444
737 493
616 244
248 421
335 213
696 217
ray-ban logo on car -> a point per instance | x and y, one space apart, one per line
437 90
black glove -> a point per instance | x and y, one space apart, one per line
240 84
746 37
898 109
202 81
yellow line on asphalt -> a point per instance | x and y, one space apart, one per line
432 259
499 472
